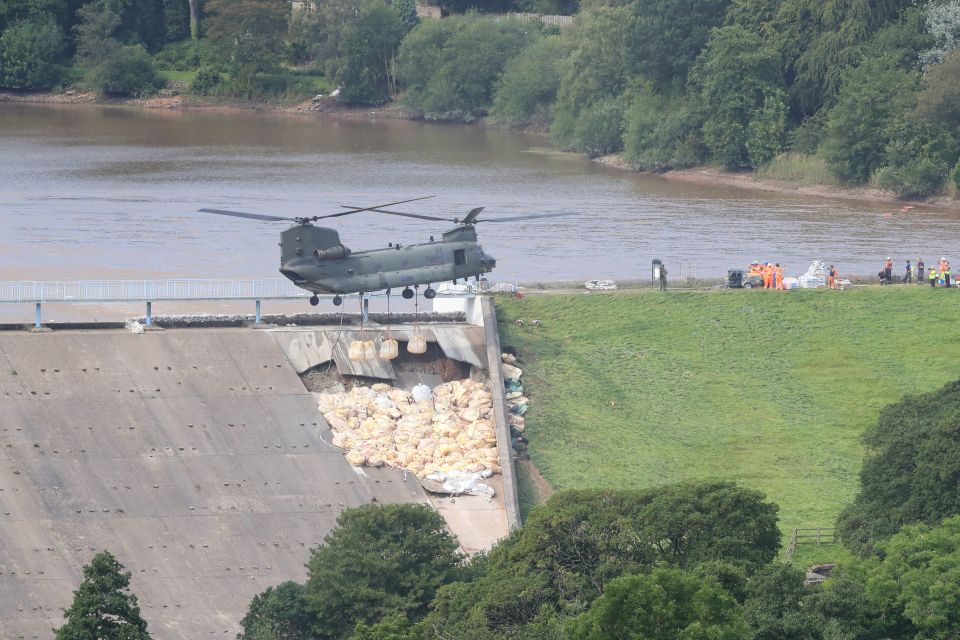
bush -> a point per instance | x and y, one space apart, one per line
956 177
918 159
662 133
917 178
206 81
29 55
127 71
185 55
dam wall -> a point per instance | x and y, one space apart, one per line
196 456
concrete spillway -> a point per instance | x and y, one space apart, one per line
197 457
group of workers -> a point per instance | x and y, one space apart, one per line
938 276
770 273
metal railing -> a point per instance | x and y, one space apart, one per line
148 290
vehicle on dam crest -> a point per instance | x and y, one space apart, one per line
315 259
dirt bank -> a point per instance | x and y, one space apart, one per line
717 176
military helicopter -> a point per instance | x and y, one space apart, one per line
315 259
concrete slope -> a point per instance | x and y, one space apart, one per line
196 456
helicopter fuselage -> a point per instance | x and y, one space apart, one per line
314 259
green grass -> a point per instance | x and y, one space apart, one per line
770 389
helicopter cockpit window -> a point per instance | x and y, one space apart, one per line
459 256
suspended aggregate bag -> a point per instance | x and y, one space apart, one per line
356 352
389 349
417 344
369 350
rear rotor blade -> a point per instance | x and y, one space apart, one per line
374 208
472 215
530 217
241 214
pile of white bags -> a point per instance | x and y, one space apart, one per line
450 430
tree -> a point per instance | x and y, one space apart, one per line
194 21
918 159
379 561
666 36
407 12
774 604
248 34
529 83
739 84
113 68
662 132
911 469
369 54
457 81
939 101
573 546
596 72
916 579
29 54
943 23
668 604
103 607
279 613
873 97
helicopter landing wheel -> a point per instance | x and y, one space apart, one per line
337 301
430 293
314 301
407 293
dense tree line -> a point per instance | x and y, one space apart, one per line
869 88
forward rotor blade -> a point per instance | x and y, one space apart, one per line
374 208
530 217
241 214
413 215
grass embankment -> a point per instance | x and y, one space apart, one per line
770 389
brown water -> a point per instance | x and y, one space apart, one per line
101 192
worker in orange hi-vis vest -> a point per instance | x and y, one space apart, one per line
778 275
832 277
767 275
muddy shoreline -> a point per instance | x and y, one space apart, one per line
330 108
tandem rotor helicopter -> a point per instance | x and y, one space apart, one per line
313 257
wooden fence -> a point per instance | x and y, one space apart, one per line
810 535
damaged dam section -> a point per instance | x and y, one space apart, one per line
199 457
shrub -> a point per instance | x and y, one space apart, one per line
956 176
206 81
127 71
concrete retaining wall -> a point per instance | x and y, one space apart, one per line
511 497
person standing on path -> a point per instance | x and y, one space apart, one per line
932 277
945 274
920 267
888 271
908 274
778 276
663 278
832 277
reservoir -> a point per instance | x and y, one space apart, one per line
95 192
